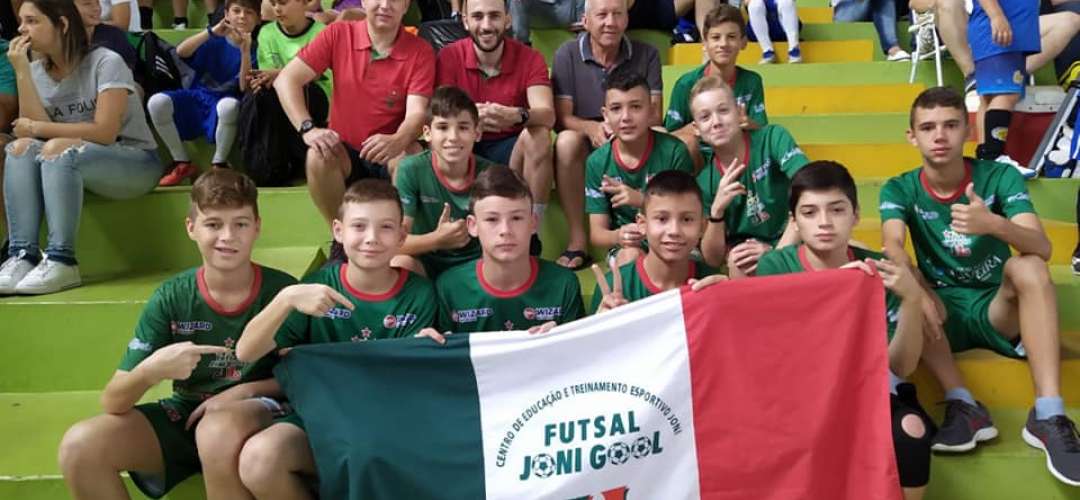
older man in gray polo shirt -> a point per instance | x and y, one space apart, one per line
578 72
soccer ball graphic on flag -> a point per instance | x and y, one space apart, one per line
543 465
618 454
642 447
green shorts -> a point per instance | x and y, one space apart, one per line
968 325
168 418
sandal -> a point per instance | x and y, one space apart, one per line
570 255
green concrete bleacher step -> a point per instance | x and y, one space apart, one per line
33 425
73 340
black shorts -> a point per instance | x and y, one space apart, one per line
363 169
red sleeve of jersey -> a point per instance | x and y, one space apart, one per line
319 53
538 70
422 79
445 66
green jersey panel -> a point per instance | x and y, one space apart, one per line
747 88
636 284
423 193
773 158
946 257
182 310
469 304
276 49
403 311
665 152
792 259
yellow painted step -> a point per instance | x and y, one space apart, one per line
809 100
872 160
812 52
815 15
1002 382
1062 237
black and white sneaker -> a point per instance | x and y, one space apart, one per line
1076 264
964 427
1056 436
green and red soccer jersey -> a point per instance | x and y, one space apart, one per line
946 257
424 190
468 303
664 152
772 159
792 259
183 310
637 285
749 93
402 311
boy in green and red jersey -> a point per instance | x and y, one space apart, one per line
186 334
753 219
724 38
964 215
616 172
360 300
671 221
506 288
824 210
434 187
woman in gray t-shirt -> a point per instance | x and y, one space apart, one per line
80 125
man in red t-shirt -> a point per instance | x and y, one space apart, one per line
509 83
383 78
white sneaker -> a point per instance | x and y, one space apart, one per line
1024 171
899 55
12 271
179 26
49 277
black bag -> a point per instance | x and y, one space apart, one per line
272 151
442 32
158 67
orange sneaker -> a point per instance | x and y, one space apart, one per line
181 170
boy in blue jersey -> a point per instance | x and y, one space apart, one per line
1002 33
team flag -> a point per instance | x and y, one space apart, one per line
768 388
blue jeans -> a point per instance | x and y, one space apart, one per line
53 188
526 14
883 13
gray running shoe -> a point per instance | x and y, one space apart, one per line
964 427
1056 436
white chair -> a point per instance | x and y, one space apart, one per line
927 43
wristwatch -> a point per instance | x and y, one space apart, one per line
306 127
524 112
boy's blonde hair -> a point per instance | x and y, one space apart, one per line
223 188
708 83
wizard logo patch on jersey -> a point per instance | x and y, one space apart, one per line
185 328
542 313
958 244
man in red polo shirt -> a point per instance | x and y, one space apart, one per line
509 83
383 78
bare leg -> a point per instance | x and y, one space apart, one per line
938 358
571 148
691 140
326 180
220 436
275 462
94 452
1056 31
1026 305
532 157
952 26
179 8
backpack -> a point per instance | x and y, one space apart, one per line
158 67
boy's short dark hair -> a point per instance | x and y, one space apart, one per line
625 80
672 182
724 14
937 97
711 82
498 181
822 175
223 188
465 6
254 5
448 102
370 190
